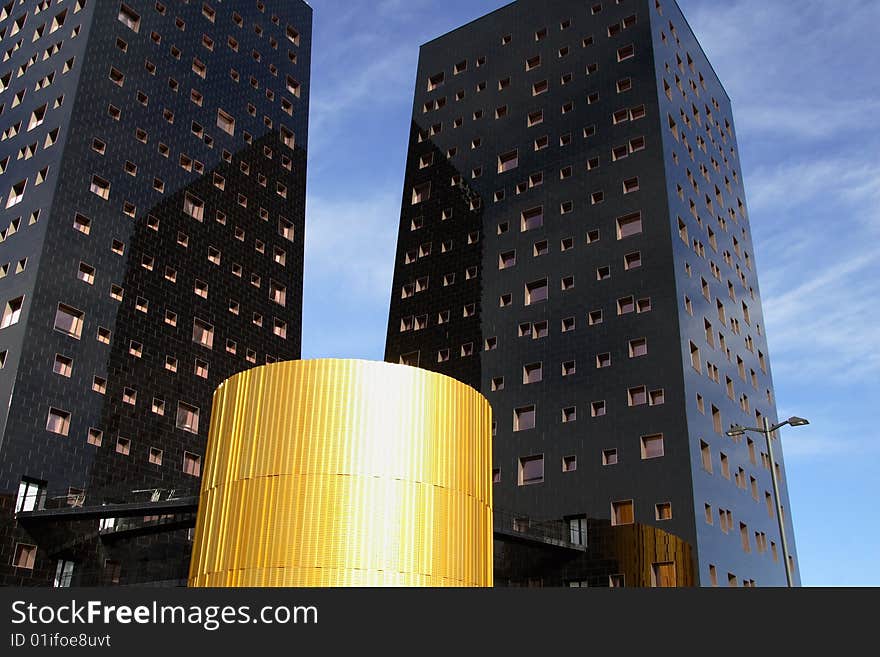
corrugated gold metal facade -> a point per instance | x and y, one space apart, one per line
345 473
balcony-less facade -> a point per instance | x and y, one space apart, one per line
574 243
152 191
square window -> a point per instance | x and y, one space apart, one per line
129 18
123 446
629 225
637 396
652 446
129 396
622 512
99 186
632 261
82 223
95 437
25 556
203 333
625 305
569 463
524 419
536 292
192 464
507 260
58 421
531 470
187 417
12 312
532 218
638 348
508 161
533 373
63 365
67 320
609 457
155 456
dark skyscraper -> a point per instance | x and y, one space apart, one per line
152 198
574 243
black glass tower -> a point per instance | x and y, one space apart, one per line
152 193
574 243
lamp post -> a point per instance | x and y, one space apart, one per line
767 430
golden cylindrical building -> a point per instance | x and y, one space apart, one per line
345 473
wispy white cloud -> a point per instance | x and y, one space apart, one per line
349 262
829 433
822 328
782 116
802 446
350 245
782 67
849 179
819 269
802 83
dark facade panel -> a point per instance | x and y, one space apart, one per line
175 234
554 115
715 269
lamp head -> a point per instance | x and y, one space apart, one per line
736 431
797 421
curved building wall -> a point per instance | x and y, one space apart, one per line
345 473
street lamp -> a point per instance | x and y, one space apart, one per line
738 430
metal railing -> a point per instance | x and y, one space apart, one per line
90 503
551 532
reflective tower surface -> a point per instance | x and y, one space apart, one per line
152 192
574 243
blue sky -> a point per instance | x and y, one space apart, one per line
806 95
